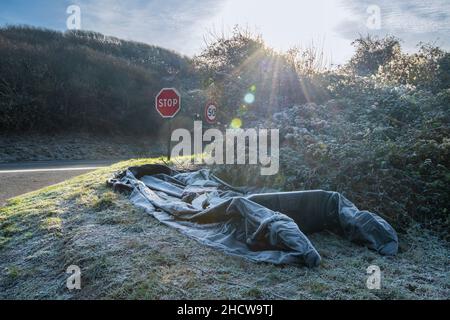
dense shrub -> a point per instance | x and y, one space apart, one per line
371 53
427 69
236 65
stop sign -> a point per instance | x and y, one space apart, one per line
168 102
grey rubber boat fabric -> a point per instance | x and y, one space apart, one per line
268 227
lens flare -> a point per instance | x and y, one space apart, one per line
249 98
253 88
236 123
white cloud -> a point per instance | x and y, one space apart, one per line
172 24
412 21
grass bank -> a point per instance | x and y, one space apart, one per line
125 254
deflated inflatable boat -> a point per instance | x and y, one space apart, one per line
267 227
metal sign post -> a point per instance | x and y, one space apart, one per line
168 104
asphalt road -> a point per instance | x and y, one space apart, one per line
23 177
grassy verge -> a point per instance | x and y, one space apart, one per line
125 254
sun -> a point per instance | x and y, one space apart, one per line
288 23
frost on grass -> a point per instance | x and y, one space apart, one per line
125 254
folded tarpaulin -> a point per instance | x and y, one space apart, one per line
269 227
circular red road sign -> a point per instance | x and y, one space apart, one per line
168 102
211 112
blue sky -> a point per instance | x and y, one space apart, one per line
182 24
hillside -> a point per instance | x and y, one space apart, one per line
83 81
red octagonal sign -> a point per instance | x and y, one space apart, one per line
168 102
